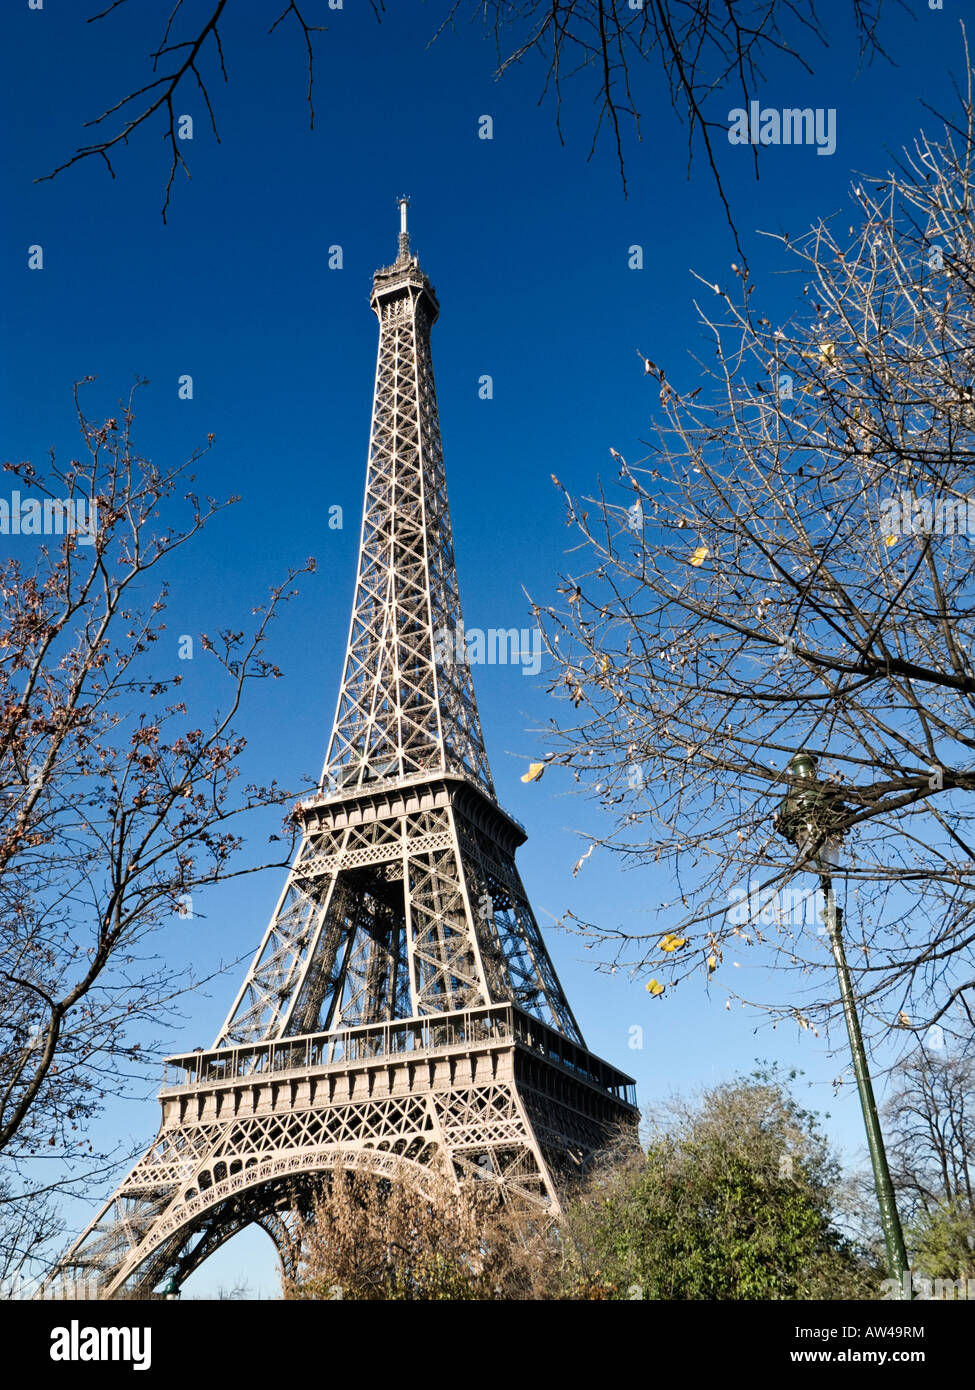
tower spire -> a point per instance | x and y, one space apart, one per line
406 704
404 236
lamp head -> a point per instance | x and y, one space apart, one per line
802 764
810 812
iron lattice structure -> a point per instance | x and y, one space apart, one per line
402 1009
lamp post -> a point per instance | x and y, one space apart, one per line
170 1290
809 817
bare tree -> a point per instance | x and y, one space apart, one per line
29 1224
117 802
191 55
931 1120
693 47
929 1123
372 1235
791 566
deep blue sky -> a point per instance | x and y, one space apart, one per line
526 244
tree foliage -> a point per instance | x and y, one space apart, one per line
733 1199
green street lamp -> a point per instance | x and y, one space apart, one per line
170 1290
811 817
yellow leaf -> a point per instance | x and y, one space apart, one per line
534 772
699 556
604 666
891 540
672 943
712 963
655 987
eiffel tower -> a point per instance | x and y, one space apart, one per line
402 1011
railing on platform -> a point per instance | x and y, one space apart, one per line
342 791
371 1042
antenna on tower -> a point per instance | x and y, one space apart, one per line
404 236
